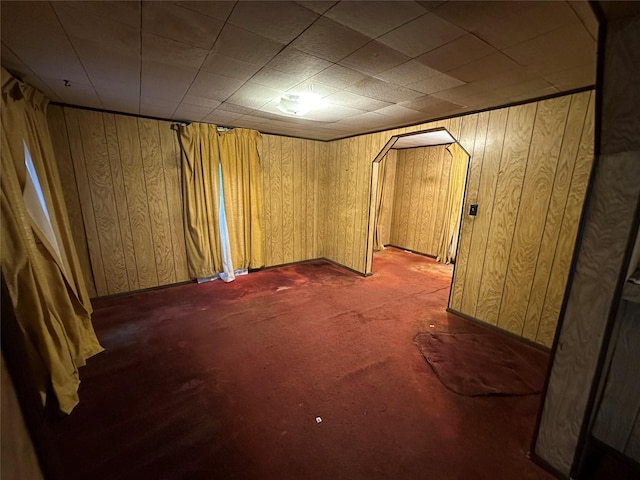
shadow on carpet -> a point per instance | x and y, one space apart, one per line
476 364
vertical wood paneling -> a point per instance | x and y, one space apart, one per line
297 199
534 201
153 171
267 190
474 145
170 152
137 200
96 160
475 230
421 184
121 200
568 231
84 193
275 161
59 138
557 205
287 200
507 200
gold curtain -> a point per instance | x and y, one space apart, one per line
41 268
204 150
242 187
448 246
201 193
384 200
379 234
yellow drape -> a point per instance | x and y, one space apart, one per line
448 246
242 187
380 235
45 284
201 190
204 149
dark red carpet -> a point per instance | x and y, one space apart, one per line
483 363
225 381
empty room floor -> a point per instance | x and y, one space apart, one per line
307 371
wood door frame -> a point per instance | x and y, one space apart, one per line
373 190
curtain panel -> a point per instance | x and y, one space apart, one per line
448 247
39 260
205 153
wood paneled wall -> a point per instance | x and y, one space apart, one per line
121 180
515 255
122 185
528 173
529 170
291 172
421 185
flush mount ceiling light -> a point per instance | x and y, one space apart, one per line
299 104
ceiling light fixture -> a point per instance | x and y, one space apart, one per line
299 104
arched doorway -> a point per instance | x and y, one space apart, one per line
440 196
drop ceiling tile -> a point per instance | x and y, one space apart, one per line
534 95
534 20
484 67
169 20
353 100
364 121
129 91
157 108
431 5
374 58
55 66
408 72
421 35
192 112
583 10
431 104
374 18
32 27
524 88
200 101
235 109
81 26
318 6
565 47
339 76
165 81
121 12
456 53
298 64
401 115
387 92
268 77
164 50
246 46
220 117
214 86
575 77
332 113
279 21
329 40
229 66
436 84
312 85
507 77
219 10
471 15
127 71
79 94
254 96
461 92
